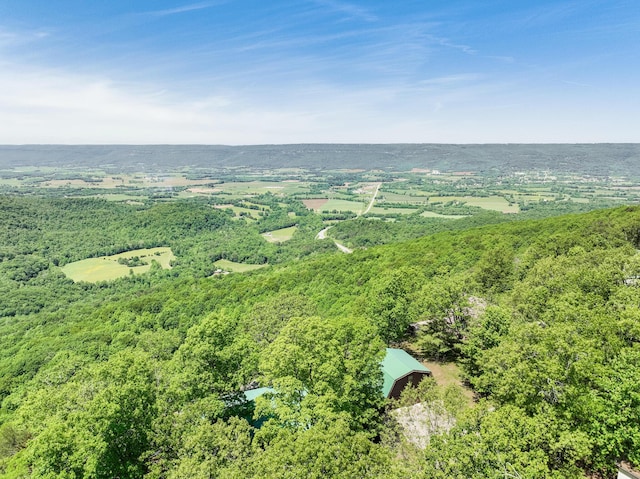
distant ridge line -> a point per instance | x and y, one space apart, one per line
598 159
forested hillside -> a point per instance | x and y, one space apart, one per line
142 376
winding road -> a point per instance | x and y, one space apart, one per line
323 233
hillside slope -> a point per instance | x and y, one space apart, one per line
140 378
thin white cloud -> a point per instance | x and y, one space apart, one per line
46 106
349 9
43 106
451 79
12 38
40 105
456 46
184 9
551 14
575 83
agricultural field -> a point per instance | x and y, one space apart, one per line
315 204
233 267
334 204
385 210
281 235
10 182
252 188
413 198
495 203
449 192
107 268
239 211
120 197
343 205
431 214
196 193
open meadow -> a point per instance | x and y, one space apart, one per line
278 236
106 268
233 267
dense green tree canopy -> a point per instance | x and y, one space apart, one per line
142 376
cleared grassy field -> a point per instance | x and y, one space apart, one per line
237 210
400 198
531 198
261 187
343 205
227 265
278 236
392 211
106 268
122 197
10 181
496 203
431 214
315 204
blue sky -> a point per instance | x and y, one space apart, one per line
307 71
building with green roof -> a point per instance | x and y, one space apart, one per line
399 369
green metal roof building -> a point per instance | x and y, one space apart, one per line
399 369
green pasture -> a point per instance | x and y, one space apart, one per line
261 187
259 205
392 197
106 268
496 203
380 210
233 267
38 169
278 236
431 214
238 210
192 194
343 205
10 181
533 198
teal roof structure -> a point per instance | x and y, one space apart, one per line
252 394
398 363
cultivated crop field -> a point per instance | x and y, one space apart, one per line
316 204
